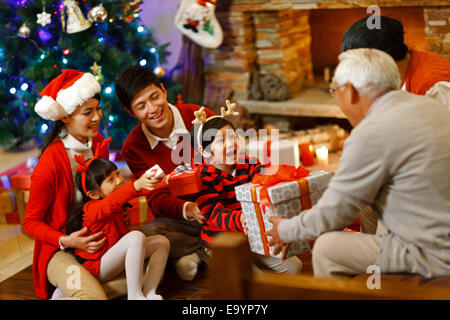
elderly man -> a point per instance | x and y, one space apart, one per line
396 159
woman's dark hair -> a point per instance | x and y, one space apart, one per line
98 170
388 38
209 131
132 80
58 130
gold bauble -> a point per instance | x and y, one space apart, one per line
159 71
97 14
24 31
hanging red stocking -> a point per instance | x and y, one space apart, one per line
196 20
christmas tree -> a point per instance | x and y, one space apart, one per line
42 37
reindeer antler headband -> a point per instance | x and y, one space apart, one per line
83 166
200 117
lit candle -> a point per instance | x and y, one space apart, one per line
322 156
307 154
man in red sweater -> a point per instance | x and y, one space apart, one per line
162 137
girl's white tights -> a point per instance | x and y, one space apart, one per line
129 253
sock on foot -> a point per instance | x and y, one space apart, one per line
58 294
137 296
154 296
187 266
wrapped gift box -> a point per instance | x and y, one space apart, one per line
184 180
139 212
21 180
7 201
276 152
287 199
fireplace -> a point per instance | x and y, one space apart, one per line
297 41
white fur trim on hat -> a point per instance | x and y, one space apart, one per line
49 109
80 91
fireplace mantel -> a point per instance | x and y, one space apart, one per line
275 37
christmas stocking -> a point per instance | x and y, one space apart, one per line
196 20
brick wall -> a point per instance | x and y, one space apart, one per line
437 30
290 38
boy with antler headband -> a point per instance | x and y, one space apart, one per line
223 169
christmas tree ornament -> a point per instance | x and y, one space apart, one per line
96 71
24 31
97 14
130 9
159 71
76 21
196 19
43 18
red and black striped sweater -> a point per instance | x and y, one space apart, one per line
217 198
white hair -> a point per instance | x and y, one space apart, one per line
371 71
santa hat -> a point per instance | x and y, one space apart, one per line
65 93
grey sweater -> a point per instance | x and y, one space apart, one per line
398 161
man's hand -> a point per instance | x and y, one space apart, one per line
78 241
192 211
244 224
276 240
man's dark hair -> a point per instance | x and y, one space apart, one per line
132 80
388 38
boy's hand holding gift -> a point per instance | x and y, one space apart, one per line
150 179
244 224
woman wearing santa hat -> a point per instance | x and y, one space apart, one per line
72 101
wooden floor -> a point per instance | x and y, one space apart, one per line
20 285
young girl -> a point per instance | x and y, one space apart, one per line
104 198
221 171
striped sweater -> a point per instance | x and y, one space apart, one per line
217 198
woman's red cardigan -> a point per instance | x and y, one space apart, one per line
50 202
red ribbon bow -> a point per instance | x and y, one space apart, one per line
83 166
276 174
271 176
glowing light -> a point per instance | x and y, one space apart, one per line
101 39
42 56
64 61
24 86
143 62
12 90
152 50
111 118
44 128
140 29
66 51
108 90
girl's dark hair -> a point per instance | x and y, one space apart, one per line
132 80
98 170
58 130
388 38
209 131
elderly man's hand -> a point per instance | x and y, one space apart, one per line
276 240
